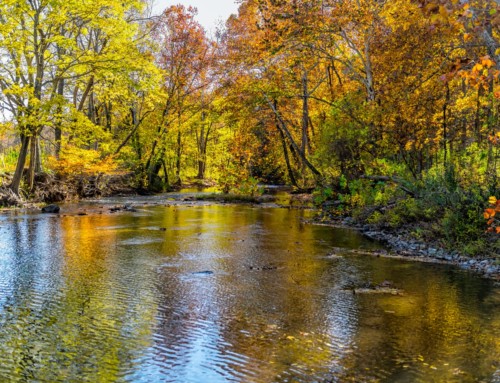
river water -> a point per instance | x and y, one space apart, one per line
220 293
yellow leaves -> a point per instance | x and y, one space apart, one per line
75 160
443 12
492 200
478 67
401 14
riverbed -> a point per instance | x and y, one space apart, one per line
173 291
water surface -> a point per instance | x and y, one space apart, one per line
212 293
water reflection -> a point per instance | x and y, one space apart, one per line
228 294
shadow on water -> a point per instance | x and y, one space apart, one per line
229 294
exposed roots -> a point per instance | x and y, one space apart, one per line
50 188
8 198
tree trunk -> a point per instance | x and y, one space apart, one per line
85 94
292 141
202 149
178 159
370 90
287 158
18 175
135 126
58 129
154 170
38 162
305 114
33 162
445 126
201 169
165 172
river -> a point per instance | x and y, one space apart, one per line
197 292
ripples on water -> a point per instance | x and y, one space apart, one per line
229 294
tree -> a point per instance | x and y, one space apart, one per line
45 45
183 55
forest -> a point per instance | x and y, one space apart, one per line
387 111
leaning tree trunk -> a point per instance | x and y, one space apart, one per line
23 154
34 162
293 144
285 150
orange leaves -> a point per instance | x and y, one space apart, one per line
494 230
482 73
495 138
491 215
487 62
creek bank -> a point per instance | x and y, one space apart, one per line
286 200
400 242
403 246
54 188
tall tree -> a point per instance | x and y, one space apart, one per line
45 44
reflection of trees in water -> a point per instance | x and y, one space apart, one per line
30 287
78 300
240 323
434 331
189 345
72 315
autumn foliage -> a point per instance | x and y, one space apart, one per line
316 94
490 214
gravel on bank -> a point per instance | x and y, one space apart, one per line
404 247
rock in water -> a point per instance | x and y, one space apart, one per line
204 272
51 209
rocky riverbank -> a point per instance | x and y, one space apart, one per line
402 245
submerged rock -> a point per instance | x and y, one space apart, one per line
126 207
385 287
51 209
263 268
204 272
378 290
